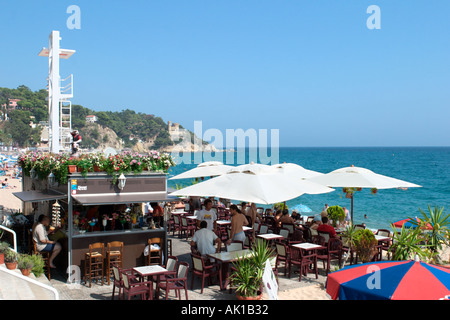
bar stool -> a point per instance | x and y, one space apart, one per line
114 257
45 256
93 262
154 255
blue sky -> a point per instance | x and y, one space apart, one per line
310 68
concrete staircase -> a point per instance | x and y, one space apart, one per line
14 286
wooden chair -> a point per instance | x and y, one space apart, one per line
155 254
263 229
188 227
283 256
222 233
256 226
200 269
290 227
114 257
170 223
176 225
235 246
45 256
93 262
132 286
325 235
169 247
303 262
285 233
384 245
117 280
176 283
333 252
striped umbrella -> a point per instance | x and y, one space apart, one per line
390 280
409 224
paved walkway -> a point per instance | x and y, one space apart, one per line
181 249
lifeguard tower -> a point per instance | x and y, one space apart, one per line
59 93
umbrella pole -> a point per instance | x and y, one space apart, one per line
352 208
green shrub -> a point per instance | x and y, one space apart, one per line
365 243
336 213
38 265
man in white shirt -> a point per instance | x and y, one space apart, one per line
40 236
208 214
204 239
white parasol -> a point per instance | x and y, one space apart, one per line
254 183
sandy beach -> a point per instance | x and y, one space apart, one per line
7 199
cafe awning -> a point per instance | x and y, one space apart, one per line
39 195
103 199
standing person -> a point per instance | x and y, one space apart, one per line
253 214
238 220
207 214
204 239
76 140
43 243
348 218
157 214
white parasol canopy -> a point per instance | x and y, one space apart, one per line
298 171
356 177
205 169
254 183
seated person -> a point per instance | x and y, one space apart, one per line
277 217
43 243
325 227
285 218
204 239
315 224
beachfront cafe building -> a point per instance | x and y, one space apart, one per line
95 207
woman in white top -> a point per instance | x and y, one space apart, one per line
43 244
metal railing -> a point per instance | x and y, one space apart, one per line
35 282
20 276
14 236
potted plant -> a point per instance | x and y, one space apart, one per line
25 264
248 273
336 214
374 190
4 247
365 244
11 258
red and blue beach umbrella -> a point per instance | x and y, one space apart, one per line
408 224
390 280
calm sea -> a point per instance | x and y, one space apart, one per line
425 166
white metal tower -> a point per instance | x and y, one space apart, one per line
59 93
